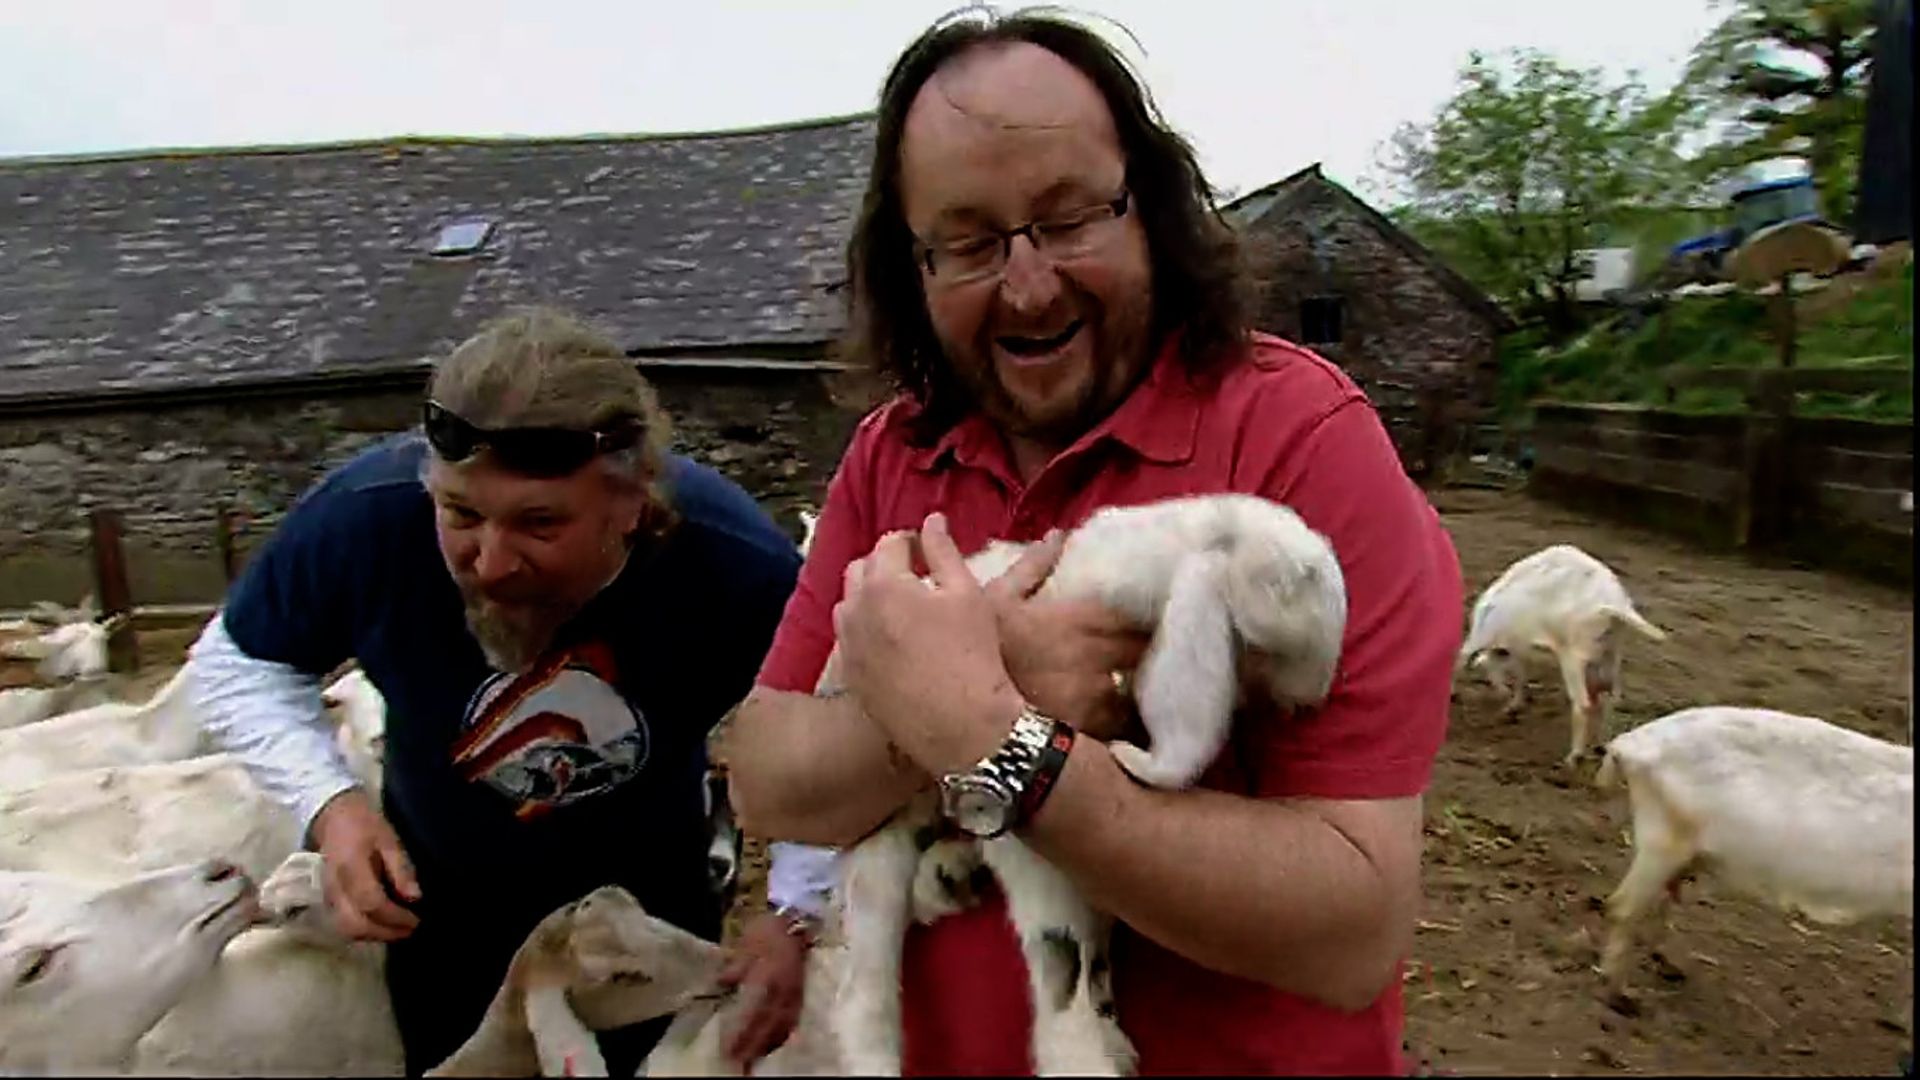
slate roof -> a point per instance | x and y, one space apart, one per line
141 273
1279 197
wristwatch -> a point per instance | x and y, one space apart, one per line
1007 786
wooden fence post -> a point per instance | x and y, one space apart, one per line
223 539
1765 505
110 584
1786 324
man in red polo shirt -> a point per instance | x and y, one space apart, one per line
1038 269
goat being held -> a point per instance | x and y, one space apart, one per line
1234 589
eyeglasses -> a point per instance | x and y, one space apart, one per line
530 451
976 258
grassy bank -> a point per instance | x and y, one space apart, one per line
1854 322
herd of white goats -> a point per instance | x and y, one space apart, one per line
133 938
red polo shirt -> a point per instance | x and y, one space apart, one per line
1282 423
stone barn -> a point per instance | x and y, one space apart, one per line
184 333
1337 276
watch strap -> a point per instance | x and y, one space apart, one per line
1052 761
1017 774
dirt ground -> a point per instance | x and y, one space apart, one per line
1520 853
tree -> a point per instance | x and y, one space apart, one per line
1526 164
1785 77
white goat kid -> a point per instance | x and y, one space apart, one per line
289 997
1565 601
108 823
124 978
74 650
163 728
104 825
1793 811
601 963
31 704
86 970
1219 580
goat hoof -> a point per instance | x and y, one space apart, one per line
1143 767
1667 969
1623 1003
1137 762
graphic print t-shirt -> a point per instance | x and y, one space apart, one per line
584 770
555 734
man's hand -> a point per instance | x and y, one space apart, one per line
770 967
1062 654
925 663
363 858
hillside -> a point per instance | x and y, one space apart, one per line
1862 319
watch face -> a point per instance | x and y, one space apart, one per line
978 809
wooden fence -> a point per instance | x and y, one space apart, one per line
1820 489
232 533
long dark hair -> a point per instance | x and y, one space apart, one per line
1199 286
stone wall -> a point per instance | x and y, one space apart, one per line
1425 358
169 468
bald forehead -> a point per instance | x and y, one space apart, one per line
1012 114
1011 85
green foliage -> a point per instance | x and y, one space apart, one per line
1753 107
1531 160
1623 359
1527 163
1877 322
1651 231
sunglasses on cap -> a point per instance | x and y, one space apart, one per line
531 451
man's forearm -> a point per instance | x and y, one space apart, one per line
269 716
1281 892
813 770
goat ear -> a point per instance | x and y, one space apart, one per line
29 649
563 1044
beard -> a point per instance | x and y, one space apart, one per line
513 635
517 622
1118 344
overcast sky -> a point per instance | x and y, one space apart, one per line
1262 87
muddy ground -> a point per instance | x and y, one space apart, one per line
1520 852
